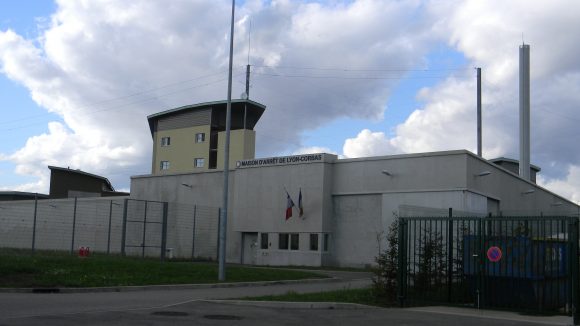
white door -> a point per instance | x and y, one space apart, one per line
250 248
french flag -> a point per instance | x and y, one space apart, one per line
289 205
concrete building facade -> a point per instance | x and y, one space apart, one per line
348 203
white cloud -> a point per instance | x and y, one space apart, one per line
445 116
313 150
488 33
368 143
101 50
566 187
94 51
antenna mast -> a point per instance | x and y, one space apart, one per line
248 66
247 93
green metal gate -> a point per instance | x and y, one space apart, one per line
519 263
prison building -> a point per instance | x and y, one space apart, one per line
342 208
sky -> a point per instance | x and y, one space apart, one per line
356 78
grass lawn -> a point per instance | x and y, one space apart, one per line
360 296
57 269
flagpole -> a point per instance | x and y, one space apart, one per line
224 218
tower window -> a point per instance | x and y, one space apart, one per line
165 141
164 165
200 137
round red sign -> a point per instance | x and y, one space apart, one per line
494 254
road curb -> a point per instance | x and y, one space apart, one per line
295 305
165 287
494 314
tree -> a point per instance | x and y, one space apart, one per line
385 279
431 268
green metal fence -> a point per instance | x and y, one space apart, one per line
517 263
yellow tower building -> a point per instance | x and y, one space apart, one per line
191 138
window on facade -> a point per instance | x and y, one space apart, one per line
199 162
200 137
164 165
314 241
165 141
325 242
294 239
283 241
264 241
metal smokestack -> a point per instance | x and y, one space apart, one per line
479 137
525 111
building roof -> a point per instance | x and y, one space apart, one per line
499 160
105 180
22 194
255 110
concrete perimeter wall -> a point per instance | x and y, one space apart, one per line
98 223
54 224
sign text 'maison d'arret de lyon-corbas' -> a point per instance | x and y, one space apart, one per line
282 160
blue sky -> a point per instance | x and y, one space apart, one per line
400 104
399 78
22 117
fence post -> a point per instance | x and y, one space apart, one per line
109 234
479 260
34 223
449 254
402 262
574 266
193 233
124 235
217 254
144 231
72 243
164 231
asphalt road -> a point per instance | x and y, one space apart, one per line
189 307
211 313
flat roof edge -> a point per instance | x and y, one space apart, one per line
198 105
511 160
401 156
23 193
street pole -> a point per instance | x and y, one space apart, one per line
224 210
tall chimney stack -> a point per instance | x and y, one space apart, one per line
525 111
479 136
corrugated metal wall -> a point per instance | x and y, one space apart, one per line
185 120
